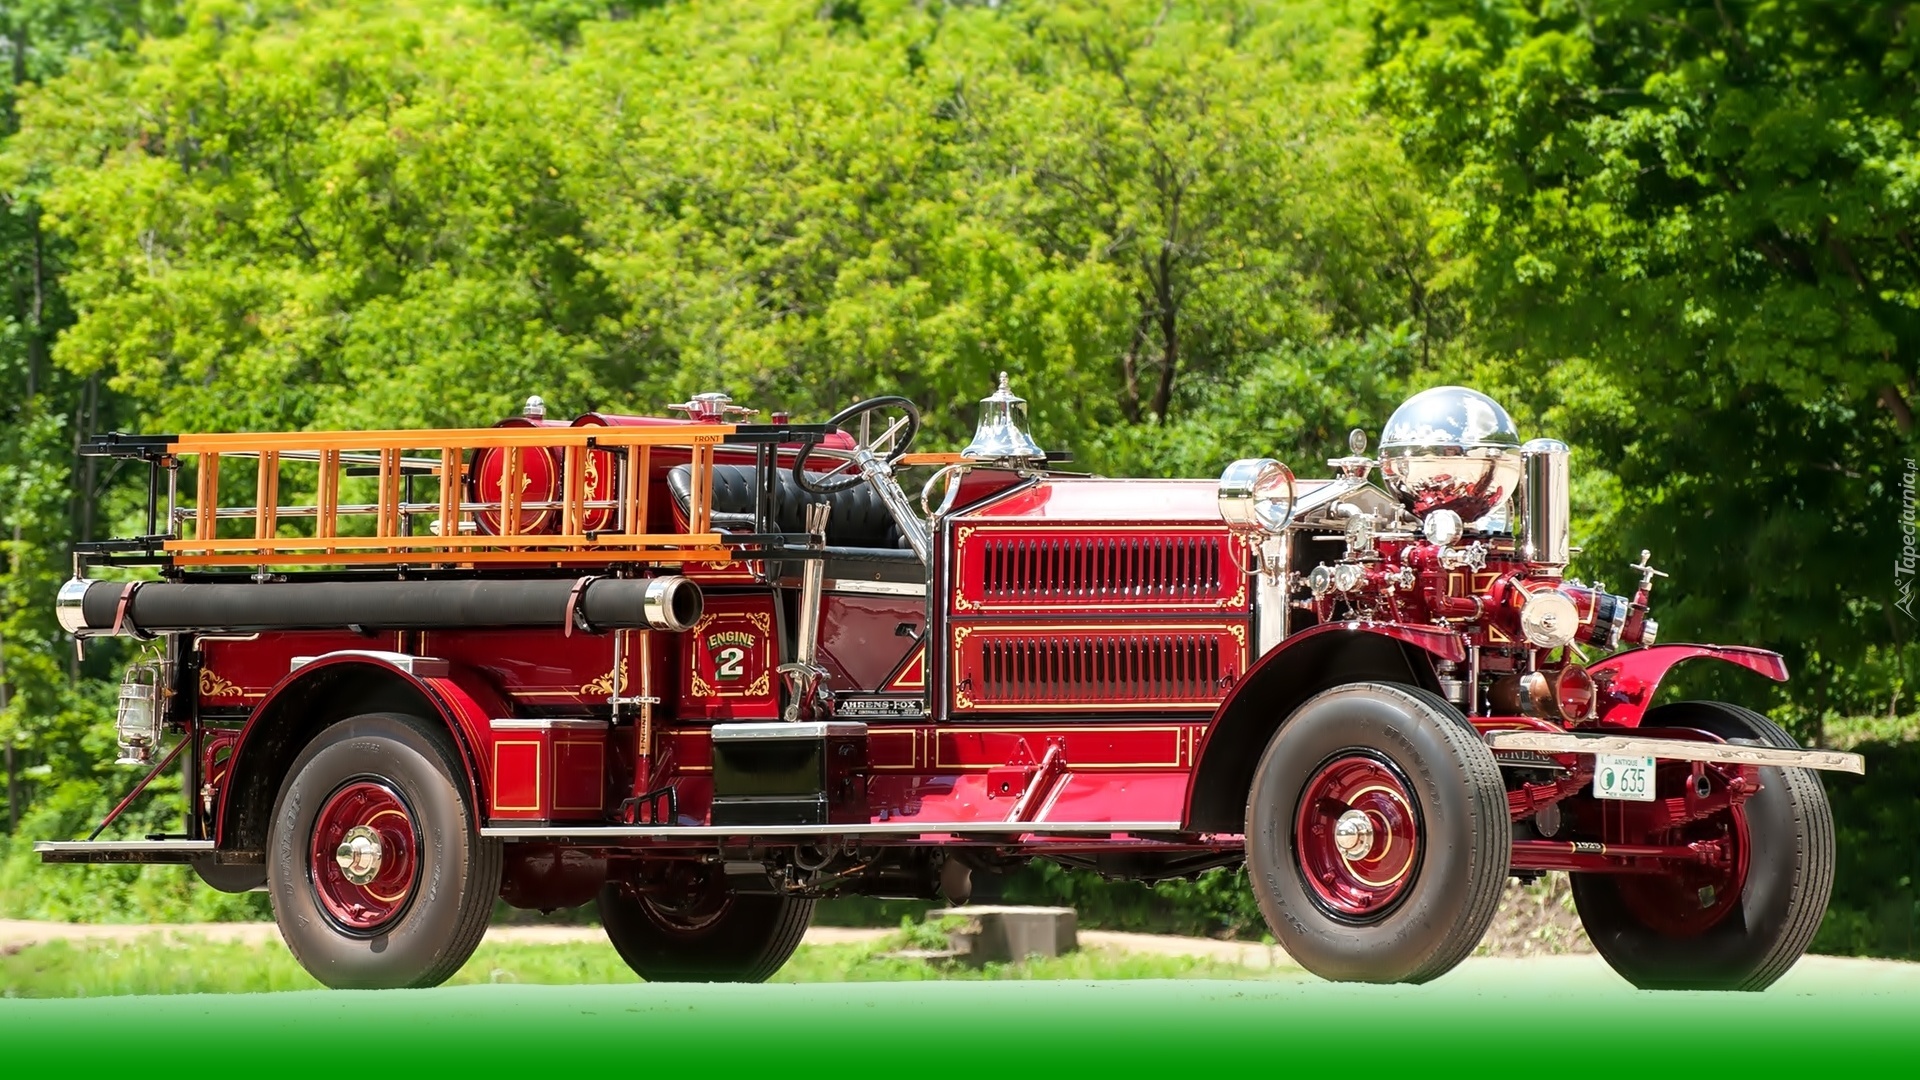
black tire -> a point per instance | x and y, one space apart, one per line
434 924
732 937
1445 897
1789 880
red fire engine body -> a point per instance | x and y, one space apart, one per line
702 673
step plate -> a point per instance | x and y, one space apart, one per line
122 851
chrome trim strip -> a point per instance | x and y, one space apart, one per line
782 730
514 723
425 667
123 845
1677 750
885 828
874 588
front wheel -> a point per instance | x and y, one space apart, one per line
1743 924
1377 835
702 931
378 875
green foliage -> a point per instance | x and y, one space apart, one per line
1677 237
1876 892
1696 220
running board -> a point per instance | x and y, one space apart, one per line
122 851
885 828
1676 750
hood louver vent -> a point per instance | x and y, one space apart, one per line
1035 570
1148 667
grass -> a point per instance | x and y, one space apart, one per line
165 964
1847 733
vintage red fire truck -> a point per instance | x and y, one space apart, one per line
703 672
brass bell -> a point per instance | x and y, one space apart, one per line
1002 432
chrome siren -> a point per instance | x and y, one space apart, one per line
1451 448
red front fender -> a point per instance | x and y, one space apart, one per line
1629 679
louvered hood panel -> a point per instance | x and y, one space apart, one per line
1028 569
1054 666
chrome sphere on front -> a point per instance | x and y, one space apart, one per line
1451 448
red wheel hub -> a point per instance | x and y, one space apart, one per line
1357 836
687 902
1692 899
365 856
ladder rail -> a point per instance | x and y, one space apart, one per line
454 533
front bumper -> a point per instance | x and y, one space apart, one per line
1545 742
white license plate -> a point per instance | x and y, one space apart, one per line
1623 776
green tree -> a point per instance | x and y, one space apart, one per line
1693 226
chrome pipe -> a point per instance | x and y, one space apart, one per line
1546 523
672 603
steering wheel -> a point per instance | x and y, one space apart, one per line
887 446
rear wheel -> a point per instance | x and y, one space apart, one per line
705 933
1743 924
1377 835
378 875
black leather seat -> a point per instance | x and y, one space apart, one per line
859 526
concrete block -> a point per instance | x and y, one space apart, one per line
1010 934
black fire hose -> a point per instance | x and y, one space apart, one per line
588 604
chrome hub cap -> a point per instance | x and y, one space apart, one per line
1353 834
359 855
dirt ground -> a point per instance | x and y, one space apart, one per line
1536 920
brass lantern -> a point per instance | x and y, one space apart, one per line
1001 434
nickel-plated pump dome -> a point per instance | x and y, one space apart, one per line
1451 448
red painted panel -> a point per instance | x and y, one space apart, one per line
913 673
240 671
729 657
579 774
1117 796
1085 668
858 643
1161 746
516 775
543 667
893 748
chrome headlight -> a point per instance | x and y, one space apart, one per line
1257 495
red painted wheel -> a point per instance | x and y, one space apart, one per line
1739 923
365 856
375 864
1377 835
1357 835
688 926
1693 900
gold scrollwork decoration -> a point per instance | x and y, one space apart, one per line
212 685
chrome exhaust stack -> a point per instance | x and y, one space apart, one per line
1546 513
